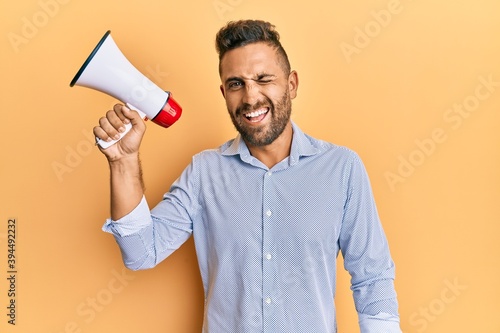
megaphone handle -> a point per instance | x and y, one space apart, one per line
128 127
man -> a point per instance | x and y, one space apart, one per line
269 210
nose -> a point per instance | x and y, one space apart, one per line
251 93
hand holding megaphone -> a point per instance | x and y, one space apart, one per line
107 70
113 126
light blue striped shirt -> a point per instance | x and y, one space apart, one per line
267 240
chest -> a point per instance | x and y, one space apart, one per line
297 204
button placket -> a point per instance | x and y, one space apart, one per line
267 255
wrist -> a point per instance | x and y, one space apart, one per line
129 165
128 159
127 170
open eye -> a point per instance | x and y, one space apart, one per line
234 84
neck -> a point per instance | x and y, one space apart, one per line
275 152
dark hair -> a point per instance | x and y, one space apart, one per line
240 33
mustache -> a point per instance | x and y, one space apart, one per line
245 107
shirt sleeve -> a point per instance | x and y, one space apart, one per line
146 237
367 257
133 222
381 322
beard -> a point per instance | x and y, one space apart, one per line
266 134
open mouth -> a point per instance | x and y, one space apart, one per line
256 116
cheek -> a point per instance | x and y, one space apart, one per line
231 105
275 93
232 100
278 96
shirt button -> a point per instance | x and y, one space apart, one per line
269 213
268 300
269 256
269 173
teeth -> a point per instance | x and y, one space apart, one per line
255 113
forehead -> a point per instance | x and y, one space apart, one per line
249 60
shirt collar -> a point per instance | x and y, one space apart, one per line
301 146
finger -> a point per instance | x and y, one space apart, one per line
115 120
101 134
134 118
109 129
122 112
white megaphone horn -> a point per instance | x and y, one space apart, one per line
107 70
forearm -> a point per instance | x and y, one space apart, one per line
127 185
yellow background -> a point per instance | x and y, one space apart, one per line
381 77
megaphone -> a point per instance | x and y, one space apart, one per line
108 70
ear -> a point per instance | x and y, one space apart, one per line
293 83
222 91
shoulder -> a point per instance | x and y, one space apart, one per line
213 154
305 145
330 149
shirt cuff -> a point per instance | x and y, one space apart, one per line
137 219
381 322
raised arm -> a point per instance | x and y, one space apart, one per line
127 186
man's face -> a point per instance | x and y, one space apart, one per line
258 92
